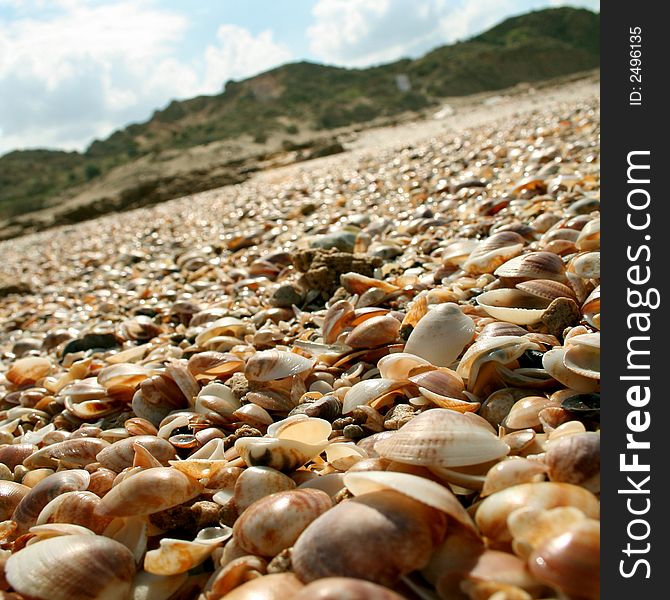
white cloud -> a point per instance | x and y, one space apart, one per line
362 32
240 54
81 69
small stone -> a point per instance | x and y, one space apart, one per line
560 314
242 431
398 416
239 385
285 296
343 422
353 432
191 519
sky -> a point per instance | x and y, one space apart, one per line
75 70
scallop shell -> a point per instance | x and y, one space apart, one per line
534 265
443 438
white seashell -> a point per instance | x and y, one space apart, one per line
443 438
281 454
269 365
397 366
440 336
553 362
364 392
417 488
147 586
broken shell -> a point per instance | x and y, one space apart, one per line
72 566
120 455
443 438
347 537
274 522
149 492
492 513
513 305
29 370
441 335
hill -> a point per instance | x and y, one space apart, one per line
287 108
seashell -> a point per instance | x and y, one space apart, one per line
497 405
374 332
147 586
586 265
255 483
101 481
553 362
149 492
348 536
418 488
281 454
571 562
338 317
533 265
355 283
251 413
77 508
531 528
14 454
173 557
342 455
546 288
28 509
493 252
367 391
178 371
216 400
589 238
275 522
77 452
214 364
327 407
398 365
139 426
441 335
120 455
73 566
512 471
525 412
500 328
582 355
513 305
11 493
501 349
278 586
443 438
575 459
345 588
122 376
591 308
269 365
28 371
225 326
492 513
132 532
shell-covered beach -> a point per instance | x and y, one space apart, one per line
374 375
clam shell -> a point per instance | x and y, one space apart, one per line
443 438
553 362
275 522
73 566
337 319
277 586
282 454
345 588
366 391
546 288
374 332
149 492
120 455
344 541
276 364
11 493
255 483
77 508
441 335
29 370
398 365
494 251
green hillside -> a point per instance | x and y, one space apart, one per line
306 96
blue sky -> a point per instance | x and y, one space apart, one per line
74 70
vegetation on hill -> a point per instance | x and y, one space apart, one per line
304 95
